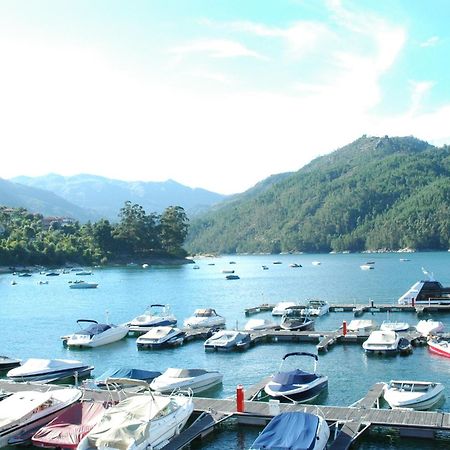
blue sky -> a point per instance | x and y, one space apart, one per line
214 94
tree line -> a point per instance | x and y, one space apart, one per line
26 238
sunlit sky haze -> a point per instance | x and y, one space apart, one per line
212 94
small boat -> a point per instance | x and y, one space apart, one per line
394 326
277 262
316 263
14 283
264 267
295 265
145 266
23 412
158 337
296 386
280 308
260 324
227 340
418 395
42 282
439 346
367 267
67 429
80 284
125 373
83 273
140 422
95 334
46 370
316 308
293 319
204 318
227 271
7 363
405 346
198 380
154 316
382 342
24 274
232 277
52 274
293 430
361 325
429 326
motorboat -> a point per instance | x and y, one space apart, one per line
439 346
295 265
128 373
297 385
158 337
227 340
260 324
293 430
316 263
67 429
95 334
80 284
198 380
293 319
367 266
280 308
23 412
83 273
35 369
394 326
140 422
316 307
154 316
404 346
381 342
361 325
418 395
7 363
232 277
429 326
205 318
426 292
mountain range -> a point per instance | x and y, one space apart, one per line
89 197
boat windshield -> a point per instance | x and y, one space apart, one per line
184 373
94 329
205 313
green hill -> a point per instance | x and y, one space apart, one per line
373 193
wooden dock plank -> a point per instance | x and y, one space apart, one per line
346 436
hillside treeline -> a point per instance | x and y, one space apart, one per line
375 193
27 238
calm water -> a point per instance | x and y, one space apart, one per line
33 317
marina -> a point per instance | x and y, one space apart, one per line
124 293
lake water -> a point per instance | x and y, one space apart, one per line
33 317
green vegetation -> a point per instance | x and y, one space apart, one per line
27 238
374 193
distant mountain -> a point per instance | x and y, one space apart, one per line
377 192
106 196
40 201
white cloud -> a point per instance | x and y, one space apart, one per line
430 42
418 90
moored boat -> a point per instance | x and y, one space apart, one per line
7 363
361 325
394 326
382 342
316 307
205 318
294 320
158 337
127 373
80 284
155 315
227 340
439 346
260 324
429 327
95 334
418 395
280 308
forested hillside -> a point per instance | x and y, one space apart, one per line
373 193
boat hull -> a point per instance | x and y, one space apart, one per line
300 395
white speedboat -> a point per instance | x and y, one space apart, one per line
22 412
140 422
418 395
260 324
316 307
280 308
154 316
227 340
198 380
294 430
80 284
297 386
158 337
205 318
294 320
35 369
394 326
95 334
429 326
382 342
367 266
361 325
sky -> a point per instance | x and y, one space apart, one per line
214 94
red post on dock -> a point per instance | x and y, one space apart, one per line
344 327
240 398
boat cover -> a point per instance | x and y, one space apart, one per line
21 404
296 376
289 431
67 429
94 329
128 422
127 372
37 366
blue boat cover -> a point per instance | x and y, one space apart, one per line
127 372
296 376
289 431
